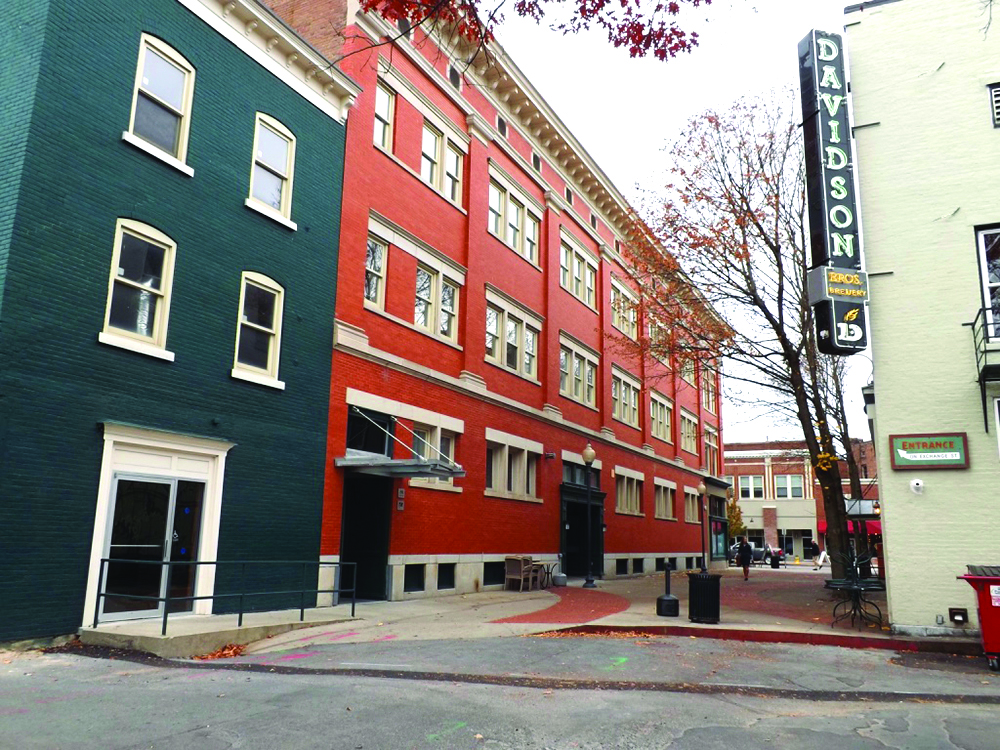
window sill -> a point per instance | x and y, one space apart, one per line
412 326
157 153
582 302
123 342
423 182
509 371
694 523
511 496
629 513
253 377
626 334
661 439
665 518
430 485
627 424
270 213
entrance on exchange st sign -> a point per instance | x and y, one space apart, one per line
153 520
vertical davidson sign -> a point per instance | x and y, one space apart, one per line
834 240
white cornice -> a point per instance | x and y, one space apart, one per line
264 38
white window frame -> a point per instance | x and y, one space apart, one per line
435 307
384 121
571 355
379 274
501 214
709 391
661 417
156 344
241 370
665 494
178 159
625 410
578 272
687 370
711 441
691 502
689 436
508 310
746 484
624 309
992 321
629 491
442 444
452 185
434 159
284 213
515 463
786 482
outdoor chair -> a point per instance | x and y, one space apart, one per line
521 568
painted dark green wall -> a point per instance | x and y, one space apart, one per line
57 383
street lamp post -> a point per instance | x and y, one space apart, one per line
704 511
588 458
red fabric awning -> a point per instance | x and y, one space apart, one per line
874 527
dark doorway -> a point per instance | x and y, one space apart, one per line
365 532
574 532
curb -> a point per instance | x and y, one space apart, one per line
927 646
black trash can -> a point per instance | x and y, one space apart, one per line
703 597
775 561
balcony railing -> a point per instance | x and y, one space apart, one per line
986 343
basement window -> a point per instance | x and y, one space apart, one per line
994 89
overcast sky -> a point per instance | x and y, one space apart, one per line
625 112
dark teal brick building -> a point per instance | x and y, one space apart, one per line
170 194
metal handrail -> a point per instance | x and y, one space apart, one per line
170 564
983 332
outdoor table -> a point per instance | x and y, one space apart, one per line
855 604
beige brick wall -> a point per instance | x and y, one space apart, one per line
928 158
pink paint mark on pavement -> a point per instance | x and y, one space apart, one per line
384 638
292 657
12 711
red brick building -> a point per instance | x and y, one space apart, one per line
478 294
780 497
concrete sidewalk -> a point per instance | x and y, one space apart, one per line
777 606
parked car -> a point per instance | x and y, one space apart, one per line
760 554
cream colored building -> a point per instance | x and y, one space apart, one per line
927 133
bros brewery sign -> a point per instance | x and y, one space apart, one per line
838 288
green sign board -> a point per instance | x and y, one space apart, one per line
932 450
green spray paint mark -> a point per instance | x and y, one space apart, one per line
446 732
617 663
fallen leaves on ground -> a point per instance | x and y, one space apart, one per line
617 634
228 651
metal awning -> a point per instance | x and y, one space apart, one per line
383 466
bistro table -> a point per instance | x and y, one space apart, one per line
855 604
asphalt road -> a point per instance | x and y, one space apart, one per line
591 693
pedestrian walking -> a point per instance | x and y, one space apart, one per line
744 557
818 557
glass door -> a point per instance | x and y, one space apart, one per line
152 521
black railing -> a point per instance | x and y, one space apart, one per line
242 594
986 331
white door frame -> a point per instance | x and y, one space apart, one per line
157 454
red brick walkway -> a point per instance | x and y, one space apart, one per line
575 606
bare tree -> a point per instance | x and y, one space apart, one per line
730 235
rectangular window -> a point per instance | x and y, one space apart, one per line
453 175
788 485
628 495
689 433
687 371
709 392
989 264
430 155
433 444
531 226
624 399
664 502
515 212
161 100
520 338
711 451
449 309
375 255
423 312
660 417
511 470
258 333
577 274
435 307
577 373
751 486
691 507
496 208
273 164
139 289
624 311
994 90
385 103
